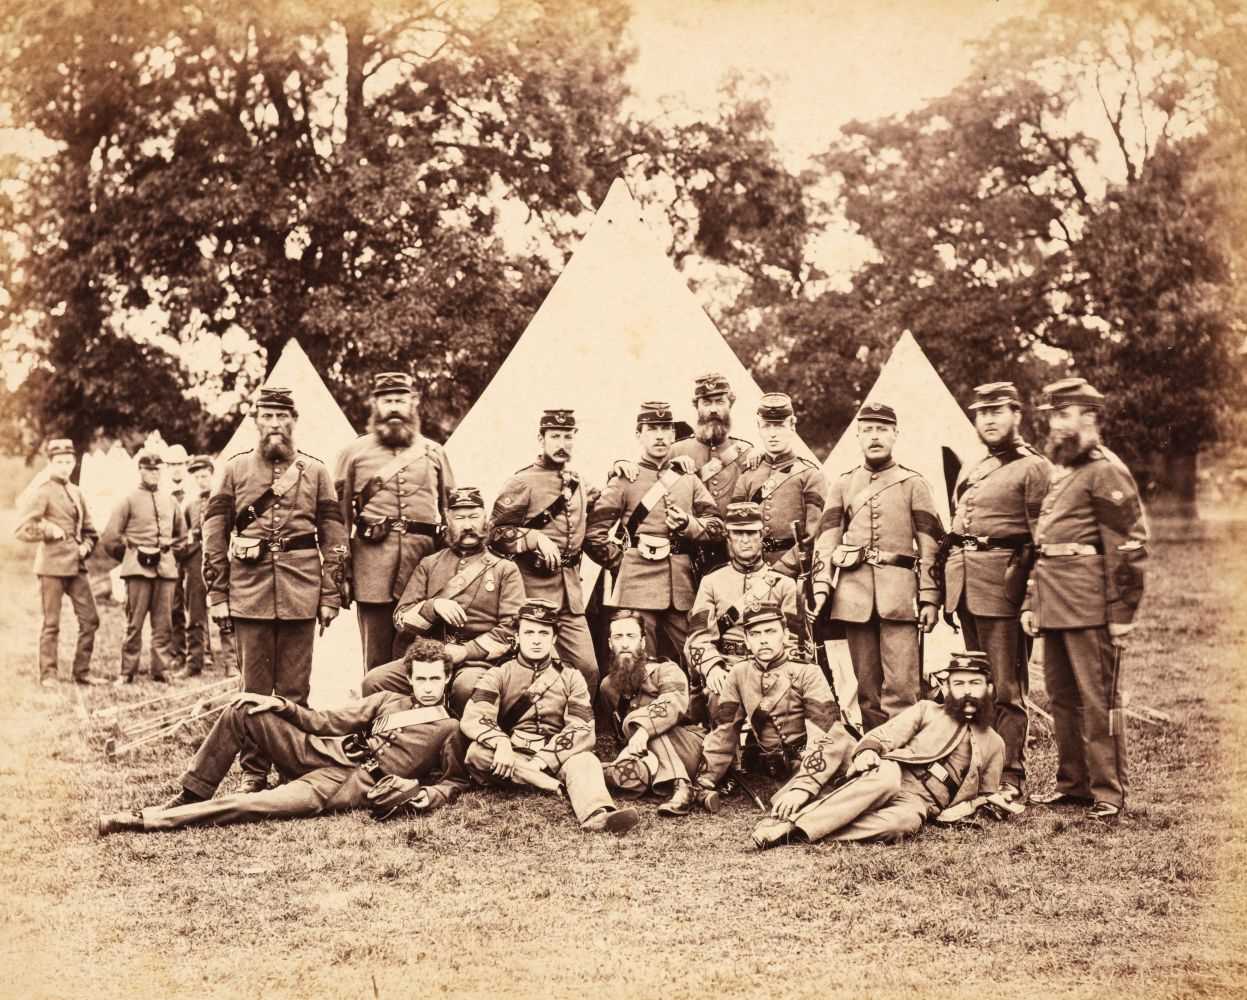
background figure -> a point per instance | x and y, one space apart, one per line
175 482
199 624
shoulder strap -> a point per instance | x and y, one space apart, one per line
717 463
662 486
854 506
451 593
391 469
270 496
557 506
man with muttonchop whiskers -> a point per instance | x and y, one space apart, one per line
929 761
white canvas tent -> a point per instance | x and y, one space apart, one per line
930 422
619 326
323 431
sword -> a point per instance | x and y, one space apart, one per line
1115 720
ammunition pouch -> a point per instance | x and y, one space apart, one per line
848 556
149 555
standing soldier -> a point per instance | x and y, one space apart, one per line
876 543
56 519
1082 598
392 485
787 486
716 638
464 596
645 532
198 631
993 528
141 534
539 521
175 471
273 548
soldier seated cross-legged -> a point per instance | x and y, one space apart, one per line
372 752
530 722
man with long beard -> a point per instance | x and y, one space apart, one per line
273 547
997 506
712 454
464 596
918 764
539 522
648 702
1082 598
392 484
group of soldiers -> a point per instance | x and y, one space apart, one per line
727 565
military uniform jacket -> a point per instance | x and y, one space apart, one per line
794 695
725 592
489 589
659 704
923 733
997 498
149 518
290 584
543 709
1096 502
892 510
60 504
398 751
718 476
193 520
529 494
417 492
788 488
654 585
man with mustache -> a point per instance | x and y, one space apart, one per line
786 486
56 519
142 534
648 701
464 596
787 705
918 764
1082 598
712 454
273 547
392 484
716 637
997 505
539 522
645 532
876 543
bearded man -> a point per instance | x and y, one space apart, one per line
464 596
927 759
648 701
1082 598
273 547
392 484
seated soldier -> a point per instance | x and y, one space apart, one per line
924 762
648 701
465 596
531 716
786 703
330 760
716 640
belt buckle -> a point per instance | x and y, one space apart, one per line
277 543
872 555
400 526
971 542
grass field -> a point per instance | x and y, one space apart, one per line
502 896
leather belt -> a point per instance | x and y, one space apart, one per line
571 559
937 772
1058 549
733 647
404 527
288 543
778 544
679 546
878 558
976 542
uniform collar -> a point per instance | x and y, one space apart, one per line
775 664
889 464
782 458
645 463
536 668
545 462
150 489
753 567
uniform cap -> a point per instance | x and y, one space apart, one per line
710 384
557 420
757 612
775 406
628 614
276 397
464 496
880 412
150 460
995 394
1071 391
59 446
175 454
537 610
199 462
655 413
971 661
383 382
743 516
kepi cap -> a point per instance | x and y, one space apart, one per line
710 384
557 420
971 661
464 496
199 462
757 612
880 412
150 460
655 413
743 516
275 397
384 382
775 406
995 394
1073 391
537 610
59 446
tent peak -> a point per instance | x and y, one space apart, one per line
619 204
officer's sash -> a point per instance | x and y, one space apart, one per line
270 496
557 506
409 717
662 486
388 471
453 589
719 462
768 490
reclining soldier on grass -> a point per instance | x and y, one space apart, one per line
929 761
337 759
